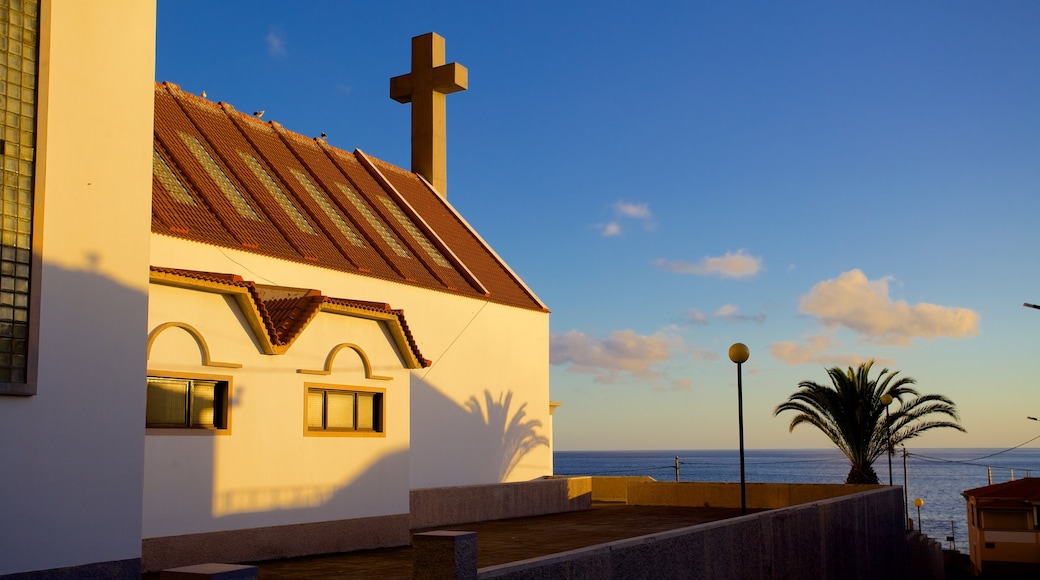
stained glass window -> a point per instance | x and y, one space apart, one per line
169 179
373 221
422 240
326 206
276 192
219 177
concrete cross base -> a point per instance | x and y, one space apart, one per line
444 555
211 572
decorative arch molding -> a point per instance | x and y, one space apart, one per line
199 340
332 357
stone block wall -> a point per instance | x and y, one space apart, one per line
858 536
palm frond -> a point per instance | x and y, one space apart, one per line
850 413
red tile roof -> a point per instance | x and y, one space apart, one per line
1025 490
254 186
284 312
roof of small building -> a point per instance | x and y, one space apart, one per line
1027 489
226 178
278 314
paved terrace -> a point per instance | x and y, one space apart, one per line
504 541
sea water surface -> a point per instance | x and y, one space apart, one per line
937 476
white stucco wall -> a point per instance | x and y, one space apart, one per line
481 351
72 455
263 471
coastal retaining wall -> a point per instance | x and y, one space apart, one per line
446 506
857 536
615 488
759 495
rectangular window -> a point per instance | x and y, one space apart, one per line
344 412
18 75
187 403
1005 520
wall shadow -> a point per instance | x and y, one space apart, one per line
72 451
309 503
518 437
489 438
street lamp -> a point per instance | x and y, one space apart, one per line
919 502
739 354
886 400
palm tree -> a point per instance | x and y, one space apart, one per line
851 414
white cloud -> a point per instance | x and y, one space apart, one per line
732 265
627 211
726 310
632 210
610 229
622 353
705 354
695 316
731 312
863 306
793 353
276 44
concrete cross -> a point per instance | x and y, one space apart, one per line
425 88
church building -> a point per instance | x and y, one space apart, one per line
296 339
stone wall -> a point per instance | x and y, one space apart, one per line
446 506
858 536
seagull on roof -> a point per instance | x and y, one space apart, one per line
203 94
258 114
323 135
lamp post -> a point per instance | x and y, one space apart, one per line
886 400
919 502
739 354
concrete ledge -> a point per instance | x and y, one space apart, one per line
444 554
254 544
615 488
447 506
759 495
118 569
211 572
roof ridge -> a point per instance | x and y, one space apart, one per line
384 227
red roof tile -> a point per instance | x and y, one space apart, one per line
285 312
1026 490
254 186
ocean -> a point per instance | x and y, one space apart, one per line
937 476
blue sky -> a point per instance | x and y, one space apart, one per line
825 182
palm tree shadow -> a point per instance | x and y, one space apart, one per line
518 437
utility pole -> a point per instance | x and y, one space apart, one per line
906 494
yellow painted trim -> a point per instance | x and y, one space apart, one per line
370 434
553 405
239 294
199 340
252 315
393 324
186 432
332 357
